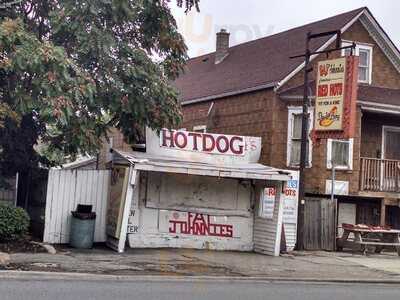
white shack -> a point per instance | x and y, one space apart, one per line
199 190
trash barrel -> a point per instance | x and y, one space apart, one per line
83 222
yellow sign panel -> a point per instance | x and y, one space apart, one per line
330 94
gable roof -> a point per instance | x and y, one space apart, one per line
259 64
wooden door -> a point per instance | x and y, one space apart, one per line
320 224
392 143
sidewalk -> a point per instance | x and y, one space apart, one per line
187 262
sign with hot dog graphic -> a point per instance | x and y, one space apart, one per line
330 90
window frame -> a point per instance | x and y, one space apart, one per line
200 128
292 110
362 46
349 167
385 129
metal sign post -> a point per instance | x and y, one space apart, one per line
305 120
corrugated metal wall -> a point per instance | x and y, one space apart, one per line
267 232
66 189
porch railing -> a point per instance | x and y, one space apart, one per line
380 175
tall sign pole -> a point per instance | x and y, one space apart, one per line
305 124
303 148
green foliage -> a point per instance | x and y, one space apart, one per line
14 222
70 70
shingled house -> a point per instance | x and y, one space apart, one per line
255 89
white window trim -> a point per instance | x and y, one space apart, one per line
357 52
200 127
386 128
298 110
329 155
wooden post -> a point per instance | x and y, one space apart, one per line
383 212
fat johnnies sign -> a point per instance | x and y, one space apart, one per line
205 147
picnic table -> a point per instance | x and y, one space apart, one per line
365 236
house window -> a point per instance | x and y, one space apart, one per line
294 137
200 128
340 154
364 52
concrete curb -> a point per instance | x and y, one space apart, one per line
40 276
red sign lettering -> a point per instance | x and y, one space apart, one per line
323 90
336 89
205 142
199 224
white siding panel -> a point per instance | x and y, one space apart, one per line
65 190
267 232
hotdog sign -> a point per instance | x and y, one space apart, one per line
203 142
330 92
202 146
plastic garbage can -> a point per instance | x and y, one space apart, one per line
83 223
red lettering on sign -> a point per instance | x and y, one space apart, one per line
336 89
323 90
225 144
166 138
239 149
199 224
324 70
270 191
290 192
195 136
205 142
180 142
211 139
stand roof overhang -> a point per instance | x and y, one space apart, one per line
145 162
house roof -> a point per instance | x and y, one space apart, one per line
257 64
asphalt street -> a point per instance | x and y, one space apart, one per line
11 289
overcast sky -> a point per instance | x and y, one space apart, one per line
251 19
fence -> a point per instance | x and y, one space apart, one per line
66 189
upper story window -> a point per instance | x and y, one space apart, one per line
200 128
294 137
340 154
364 52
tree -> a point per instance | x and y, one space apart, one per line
72 69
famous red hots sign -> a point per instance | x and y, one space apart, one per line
336 94
206 147
330 94
204 142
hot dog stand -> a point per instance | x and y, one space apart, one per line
196 190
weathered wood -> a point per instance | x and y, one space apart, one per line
320 224
383 213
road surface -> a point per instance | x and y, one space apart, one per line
11 289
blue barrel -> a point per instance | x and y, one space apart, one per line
82 231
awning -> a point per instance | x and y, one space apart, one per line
146 162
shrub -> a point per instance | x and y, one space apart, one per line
14 222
